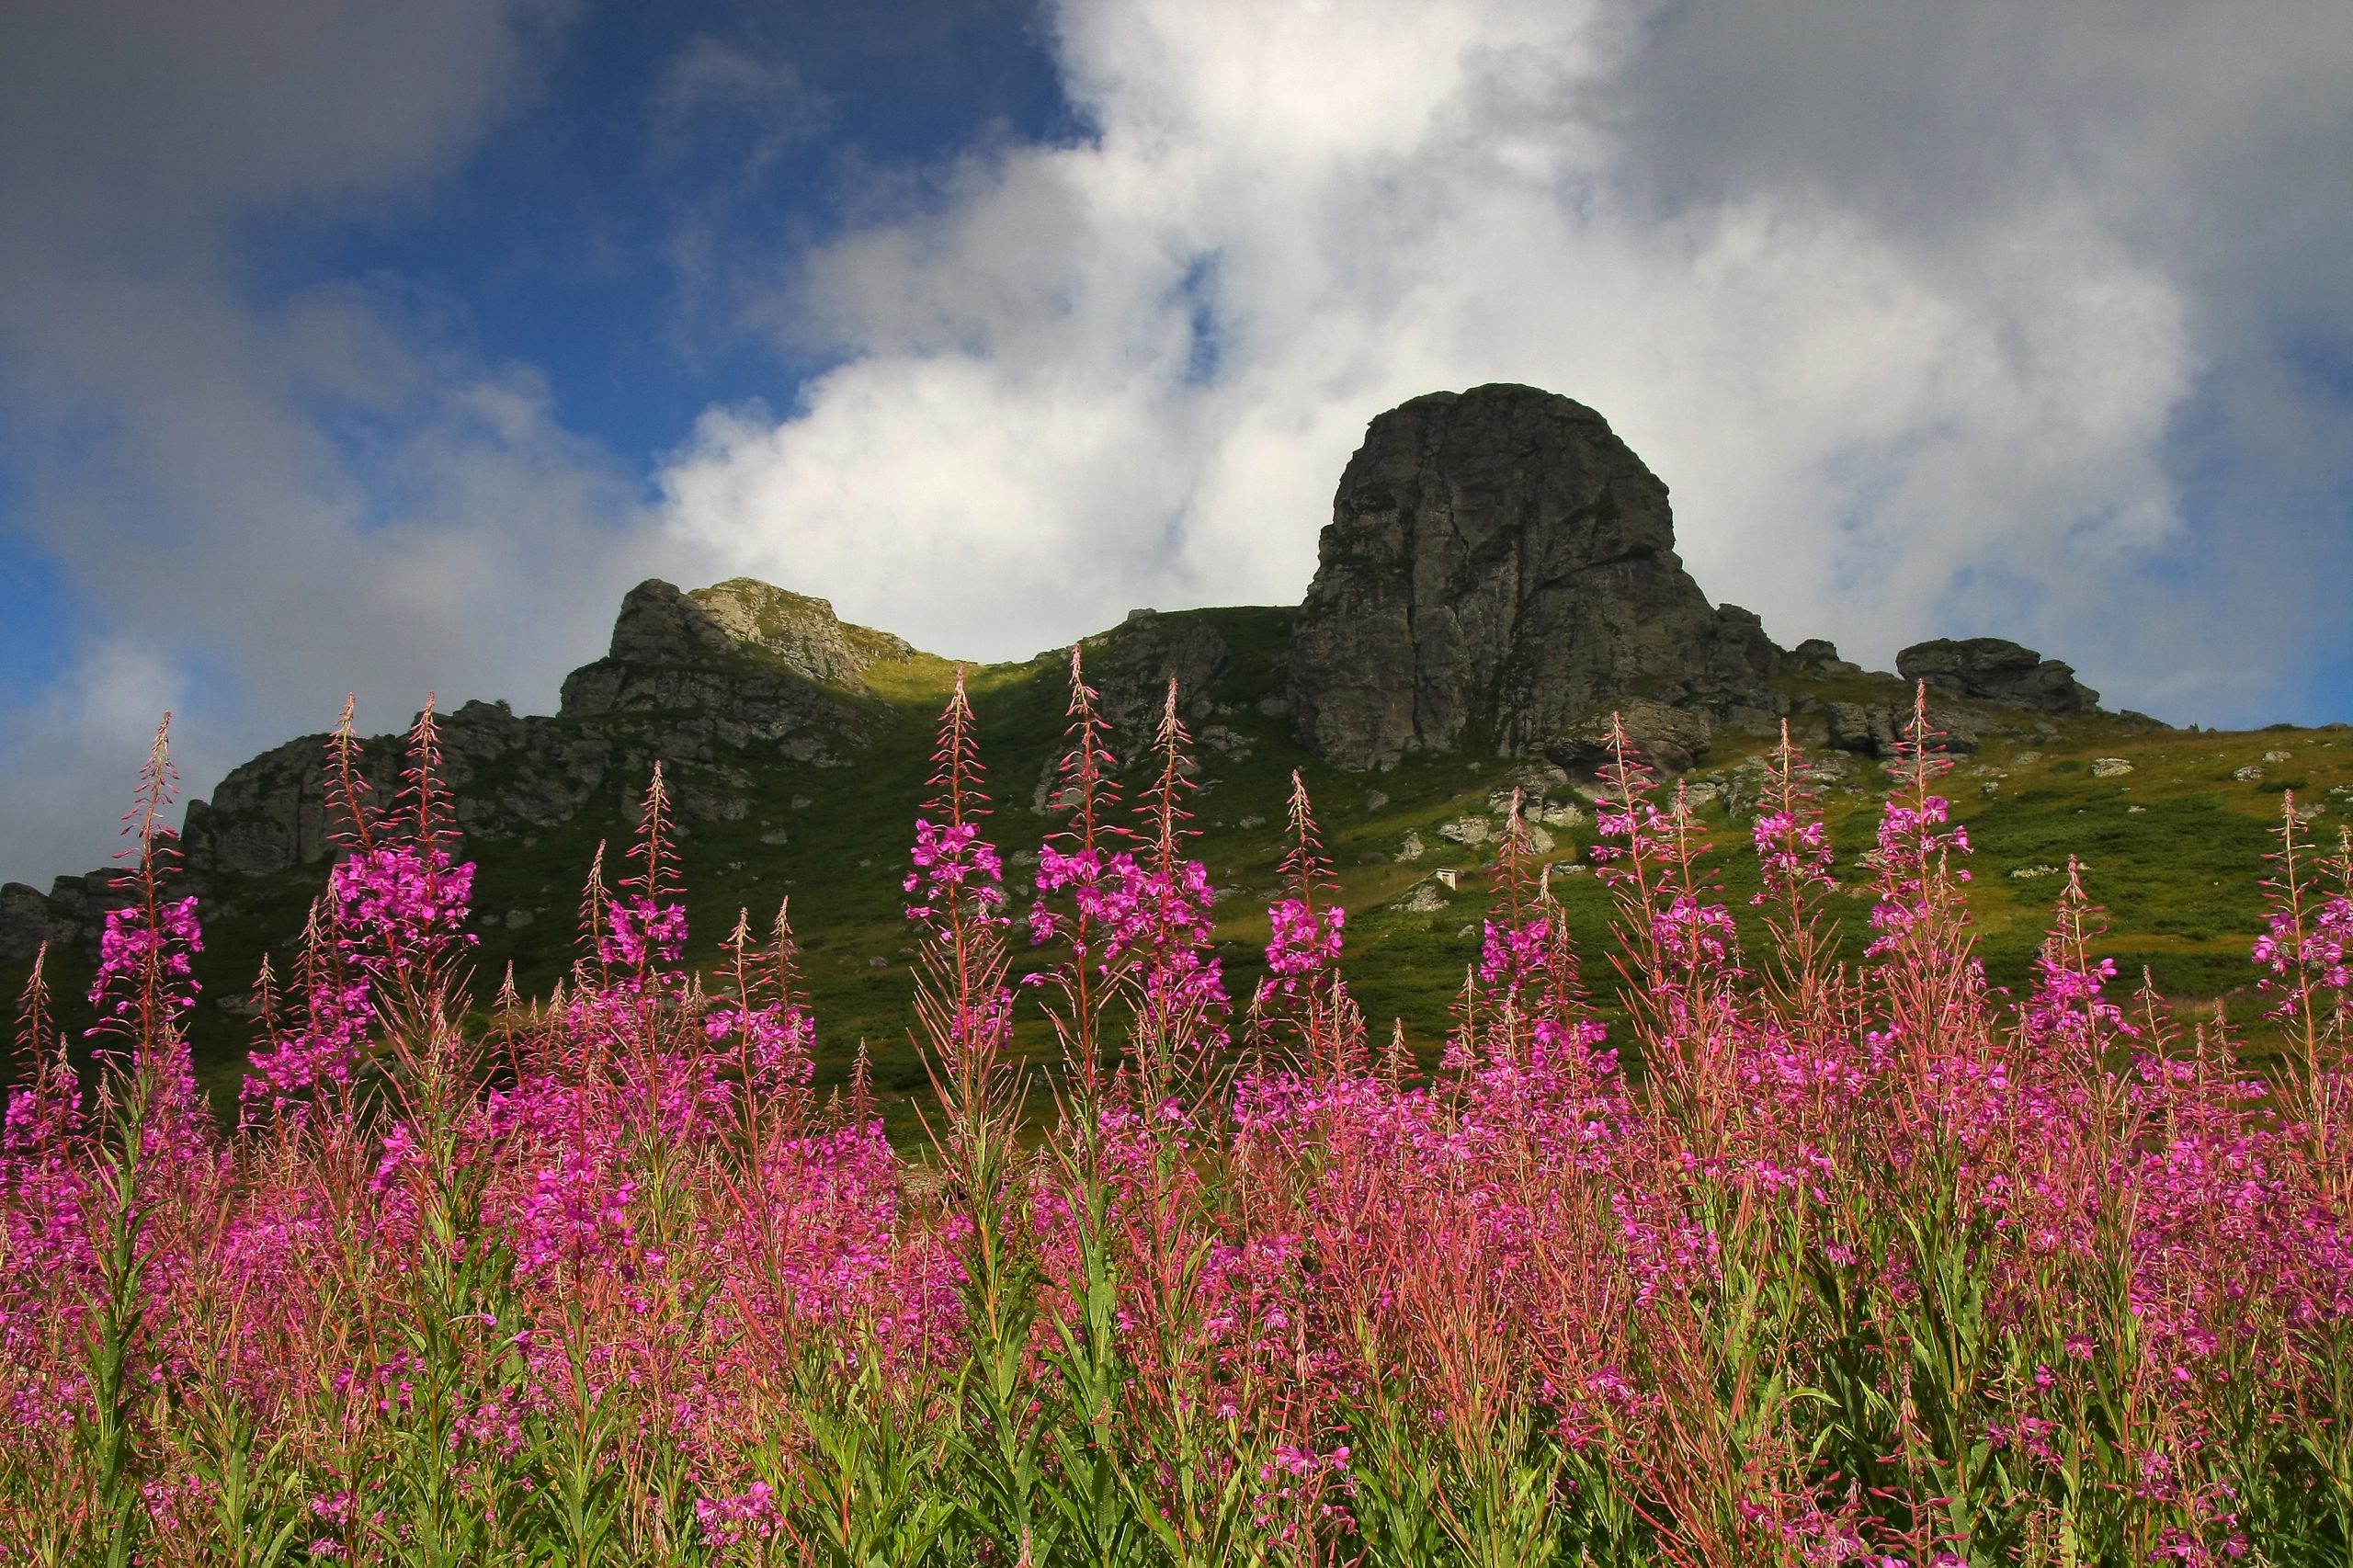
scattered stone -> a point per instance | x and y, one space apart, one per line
2128 810
2110 767
1251 822
2024 759
1374 799
1412 848
1467 932
2024 873
1467 831
1990 787
2250 774
802 802
1560 813
775 835
2278 756
518 919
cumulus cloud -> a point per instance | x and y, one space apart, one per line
1910 307
2002 318
252 503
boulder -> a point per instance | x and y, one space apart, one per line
1992 670
1498 563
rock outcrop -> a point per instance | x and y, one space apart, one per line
1991 669
1874 729
1498 563
1819 656
1673 739
706 682
751 662
1130 666
1499 575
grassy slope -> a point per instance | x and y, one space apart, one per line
2180 875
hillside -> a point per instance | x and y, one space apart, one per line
1499 574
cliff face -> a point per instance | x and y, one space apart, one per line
1499 563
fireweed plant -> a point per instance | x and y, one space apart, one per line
1863 1265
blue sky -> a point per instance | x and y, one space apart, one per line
378 351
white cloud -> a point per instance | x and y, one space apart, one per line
1937 318
1911 352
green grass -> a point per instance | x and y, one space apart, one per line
2180 876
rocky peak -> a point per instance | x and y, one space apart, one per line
1498 563
659 625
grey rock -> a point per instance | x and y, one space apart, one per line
1874 729
1130 666
1992 670
1672 740
27 921
1424 898
1497 564
1865 728
740 663
1819 656
1469 832
742 617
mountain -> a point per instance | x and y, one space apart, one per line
1498 577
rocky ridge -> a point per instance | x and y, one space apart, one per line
711 683
1499 577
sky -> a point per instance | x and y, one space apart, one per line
353 349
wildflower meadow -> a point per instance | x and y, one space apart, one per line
1792 1260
